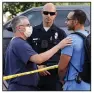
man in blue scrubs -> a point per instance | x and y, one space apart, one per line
72 57
20 57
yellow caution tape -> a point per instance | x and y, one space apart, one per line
29 72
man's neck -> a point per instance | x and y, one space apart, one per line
79 27
19 35
47 24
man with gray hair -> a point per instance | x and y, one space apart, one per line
20 57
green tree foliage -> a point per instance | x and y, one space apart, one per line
16 7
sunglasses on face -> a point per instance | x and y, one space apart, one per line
46 13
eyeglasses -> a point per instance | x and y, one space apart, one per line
27 25
69 19
51 13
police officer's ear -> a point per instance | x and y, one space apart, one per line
41 12
55 14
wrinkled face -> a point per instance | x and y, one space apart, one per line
70 21
49 14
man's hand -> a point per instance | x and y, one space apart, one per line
44 73
65 42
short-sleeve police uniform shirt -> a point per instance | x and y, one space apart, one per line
17 61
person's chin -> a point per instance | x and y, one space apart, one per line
48 21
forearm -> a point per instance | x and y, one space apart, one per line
63 65
61 74
42 57
48 54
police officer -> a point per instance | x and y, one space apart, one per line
45 36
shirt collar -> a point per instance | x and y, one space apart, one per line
52 27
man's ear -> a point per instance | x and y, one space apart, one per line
41 11
20 28
76 21
17 28
56 13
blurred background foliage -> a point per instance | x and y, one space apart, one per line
17 7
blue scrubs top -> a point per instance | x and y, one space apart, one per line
76 51
17 61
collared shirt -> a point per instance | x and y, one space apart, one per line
17 61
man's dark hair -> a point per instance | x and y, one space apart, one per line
80 16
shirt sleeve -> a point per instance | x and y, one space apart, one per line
24 51
68 50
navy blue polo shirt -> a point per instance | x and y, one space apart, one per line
17 61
